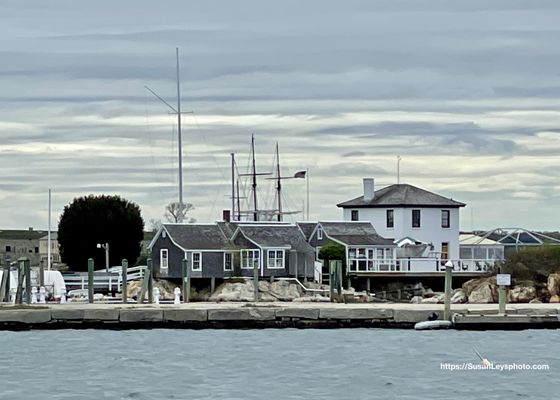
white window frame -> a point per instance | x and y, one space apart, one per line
231 261
419 218
448 212
161 258
372 258
199 268
255 254
275 258
319 233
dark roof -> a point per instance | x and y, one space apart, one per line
354 233
402 195
23 234
197 236
54 236
274 235
307 228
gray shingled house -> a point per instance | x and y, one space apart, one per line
222 250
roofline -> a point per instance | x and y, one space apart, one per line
237 231
168 235
342 205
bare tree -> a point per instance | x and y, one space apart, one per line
175 212
155 224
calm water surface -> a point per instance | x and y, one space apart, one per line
273 364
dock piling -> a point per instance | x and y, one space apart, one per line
447 307
150 272
90 280
124 277
256 281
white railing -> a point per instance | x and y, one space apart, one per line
112 282
421 265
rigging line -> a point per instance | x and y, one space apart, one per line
151 145
218 166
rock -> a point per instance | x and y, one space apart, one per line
553 284
77 293
428 293
458 297
535 301
554 299
482 294
522 293
481 290
98 296
431 300
234 291
416 300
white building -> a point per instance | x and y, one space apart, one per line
402 210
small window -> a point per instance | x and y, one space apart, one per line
275 259
390 218
36 250
228 262
8 249
355 215
416 218
163 259
445 219
196 262
319 233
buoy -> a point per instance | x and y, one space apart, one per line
431 325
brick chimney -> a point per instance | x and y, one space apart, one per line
369 189
226 215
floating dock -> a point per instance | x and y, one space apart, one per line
271 315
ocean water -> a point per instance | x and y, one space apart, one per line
274 364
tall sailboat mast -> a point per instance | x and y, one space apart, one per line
178 112
278 184
254 186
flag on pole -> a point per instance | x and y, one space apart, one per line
300 174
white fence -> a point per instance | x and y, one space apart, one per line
112 281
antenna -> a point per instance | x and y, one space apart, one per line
399 169
178 112
278 184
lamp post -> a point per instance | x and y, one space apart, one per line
105 246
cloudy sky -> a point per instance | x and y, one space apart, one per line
468 93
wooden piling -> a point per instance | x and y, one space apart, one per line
331 279
124 277
501 299
41 273
21 277
5 284
27 272
447 307
150 272
90 280
186 280
256 281
212 285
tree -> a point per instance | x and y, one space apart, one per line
90 220
176 212
332 251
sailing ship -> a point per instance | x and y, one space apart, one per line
240 192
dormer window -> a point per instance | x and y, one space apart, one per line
319 233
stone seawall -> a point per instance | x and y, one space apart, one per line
267 315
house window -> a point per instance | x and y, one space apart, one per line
416 218
196 262
445 251
228 262
163 259
355 215
36 250
276 259
362 259
8 249
250 259
320 233
445 219
390 218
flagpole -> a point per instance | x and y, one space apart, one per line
307 178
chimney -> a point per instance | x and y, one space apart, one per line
369 189
226 215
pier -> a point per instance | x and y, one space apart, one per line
272 315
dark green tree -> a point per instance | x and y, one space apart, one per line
332 251
90 220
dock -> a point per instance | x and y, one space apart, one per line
271 315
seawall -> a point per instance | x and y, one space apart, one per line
270 315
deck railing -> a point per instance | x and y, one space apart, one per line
101 280
422 265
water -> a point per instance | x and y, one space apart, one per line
273 364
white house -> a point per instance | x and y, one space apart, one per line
405 211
